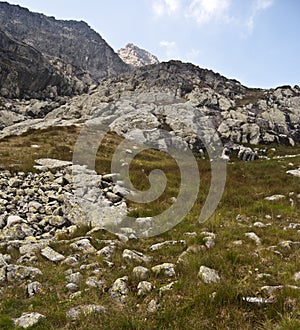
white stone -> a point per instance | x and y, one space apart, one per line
51 255
144 287
208 275
253 237
28 320
274 197
166 268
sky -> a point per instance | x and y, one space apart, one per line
256 42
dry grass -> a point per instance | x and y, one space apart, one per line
190 304
252 95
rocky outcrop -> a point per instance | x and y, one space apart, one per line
239 114
182 99
136 57
71 41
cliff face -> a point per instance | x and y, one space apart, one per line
72 41
66 54
25 72
136 57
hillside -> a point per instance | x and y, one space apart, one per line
143 195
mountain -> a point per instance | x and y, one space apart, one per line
41 57
136 57
71 48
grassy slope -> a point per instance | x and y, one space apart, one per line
189 305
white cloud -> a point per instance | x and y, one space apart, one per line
205 11
165 7
193 54
170 48
263 4
258 7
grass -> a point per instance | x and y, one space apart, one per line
252 95
191 304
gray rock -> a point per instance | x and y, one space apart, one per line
31 248
2 275
141 273
153 306
57 221
167 269
209 242
136 57
75 312
286 244
208 275
34 288
74 278
247 154
144 287
52 164
3 260
258 301
167 287
13 220
119 289
297 276
159 246
254 238
20 273
17 232
208 234
34 206
83 245
28 320
51 255
113 197
70 261
93 282
270 290
130 255
190 234
107 251
259 224
274 197
72 287
75 295
295 173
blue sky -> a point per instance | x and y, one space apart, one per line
254 41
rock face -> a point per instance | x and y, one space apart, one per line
136 57
51 48
26 72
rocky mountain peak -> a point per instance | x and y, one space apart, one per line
136 57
